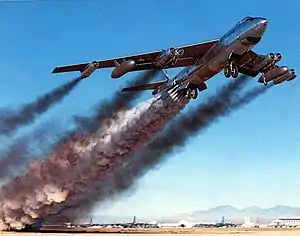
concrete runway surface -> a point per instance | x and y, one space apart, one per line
179 232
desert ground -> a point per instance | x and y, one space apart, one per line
159 232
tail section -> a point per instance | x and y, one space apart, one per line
151 86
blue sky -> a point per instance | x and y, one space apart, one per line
249 158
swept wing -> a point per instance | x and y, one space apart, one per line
186 56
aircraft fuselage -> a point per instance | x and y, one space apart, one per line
239 40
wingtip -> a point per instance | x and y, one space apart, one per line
54 70
129 89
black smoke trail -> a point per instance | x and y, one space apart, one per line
52 184
119 101
26 148
106 109
18 153
28 113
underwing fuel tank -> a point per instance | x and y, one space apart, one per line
273 73
123 68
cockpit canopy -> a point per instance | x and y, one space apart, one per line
247 18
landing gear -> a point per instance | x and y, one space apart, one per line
194 93
154 92
227 71
234 72
265 81
231 70
192 90
191 93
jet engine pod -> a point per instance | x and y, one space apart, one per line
272 74
265 62
293 75
278 57
288 76
95 64
90 68
123 68
169 57
280 79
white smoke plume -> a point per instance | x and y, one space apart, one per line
52 184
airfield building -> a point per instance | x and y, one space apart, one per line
286 222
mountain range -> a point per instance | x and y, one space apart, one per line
230 213
233 214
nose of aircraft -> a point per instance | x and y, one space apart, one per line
261 25
264 21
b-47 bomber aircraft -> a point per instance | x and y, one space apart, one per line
231 53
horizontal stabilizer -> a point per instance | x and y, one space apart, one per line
145 86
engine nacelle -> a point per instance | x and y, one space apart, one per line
273 73
293 75
288 76
278 57
123 68
268 61
89 69
169 56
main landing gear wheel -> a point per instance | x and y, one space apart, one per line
231 70
234 72
191 93
194 93
265 81
227 72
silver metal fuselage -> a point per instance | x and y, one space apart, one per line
238 40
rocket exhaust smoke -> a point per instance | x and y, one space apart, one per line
51 185
198 120
119 101
223 103
18 154
106 109
176 135
29 112
24 149
124 177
